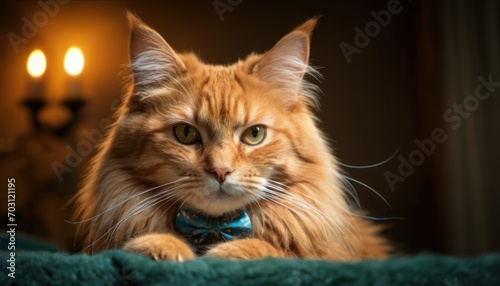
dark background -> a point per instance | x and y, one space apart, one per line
389 95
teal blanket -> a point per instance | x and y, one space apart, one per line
116 267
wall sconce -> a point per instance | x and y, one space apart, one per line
73 64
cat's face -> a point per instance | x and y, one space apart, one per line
215 138
222 143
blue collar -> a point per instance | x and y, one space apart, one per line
200 230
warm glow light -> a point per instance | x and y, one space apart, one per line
36 63
74 61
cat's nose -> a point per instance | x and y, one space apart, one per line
220 173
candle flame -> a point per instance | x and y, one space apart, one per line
36 63
74 61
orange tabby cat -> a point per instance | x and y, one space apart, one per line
220 139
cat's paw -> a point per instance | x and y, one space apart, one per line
248 248
160 246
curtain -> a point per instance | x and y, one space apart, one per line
471 156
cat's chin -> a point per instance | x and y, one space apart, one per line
215 209
218 203
222 204
220 194
229 191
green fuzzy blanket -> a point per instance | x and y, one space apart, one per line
116 267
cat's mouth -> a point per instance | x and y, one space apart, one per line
215 199
226 193
223 192
219 194
221 199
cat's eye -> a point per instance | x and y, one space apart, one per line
254 135
186 134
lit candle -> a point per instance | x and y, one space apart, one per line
36 68
73 64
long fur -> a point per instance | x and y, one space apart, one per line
289 184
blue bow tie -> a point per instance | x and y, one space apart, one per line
200 230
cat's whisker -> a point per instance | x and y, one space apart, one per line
347 187
276 200
350 189
283 191
368 187
161 198
140 207
112 229
378 218
282 199
282 188
131 213
255 199
125 201
371 165
150 203
287 195
143 206
184 196
184 202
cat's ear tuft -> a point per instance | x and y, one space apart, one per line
153 62
285 64
308 26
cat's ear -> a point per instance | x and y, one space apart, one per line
286 63
153 61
